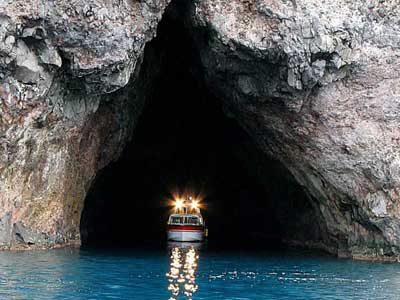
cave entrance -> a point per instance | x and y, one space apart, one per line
185 142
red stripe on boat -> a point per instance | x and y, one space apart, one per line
185 227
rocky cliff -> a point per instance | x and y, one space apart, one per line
70 94
315 84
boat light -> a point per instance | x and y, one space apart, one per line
195 204
178 203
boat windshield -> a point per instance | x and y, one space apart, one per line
190 220
176 220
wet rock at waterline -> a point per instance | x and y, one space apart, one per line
315 84
70 95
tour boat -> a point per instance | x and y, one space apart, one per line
186 224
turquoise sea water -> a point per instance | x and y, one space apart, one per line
186 273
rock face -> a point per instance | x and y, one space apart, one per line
316 85
61 116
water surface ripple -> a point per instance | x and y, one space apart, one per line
191 274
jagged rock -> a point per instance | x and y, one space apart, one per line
5 229
321 97
28 70
61 116
25 236
48 55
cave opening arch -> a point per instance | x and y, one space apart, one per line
184 141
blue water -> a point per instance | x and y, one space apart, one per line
147 274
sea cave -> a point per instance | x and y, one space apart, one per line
185 144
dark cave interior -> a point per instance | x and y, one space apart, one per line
185 143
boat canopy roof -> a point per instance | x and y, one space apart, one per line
186 215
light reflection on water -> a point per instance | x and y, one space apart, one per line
182 273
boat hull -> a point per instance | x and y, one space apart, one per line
185 233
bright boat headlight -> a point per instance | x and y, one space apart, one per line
195 204
178 204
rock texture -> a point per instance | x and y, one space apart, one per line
317 85
61 116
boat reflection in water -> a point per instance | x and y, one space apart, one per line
183 266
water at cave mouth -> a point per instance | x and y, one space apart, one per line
145 274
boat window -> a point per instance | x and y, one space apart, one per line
193 220
176 220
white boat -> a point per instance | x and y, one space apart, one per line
186 224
